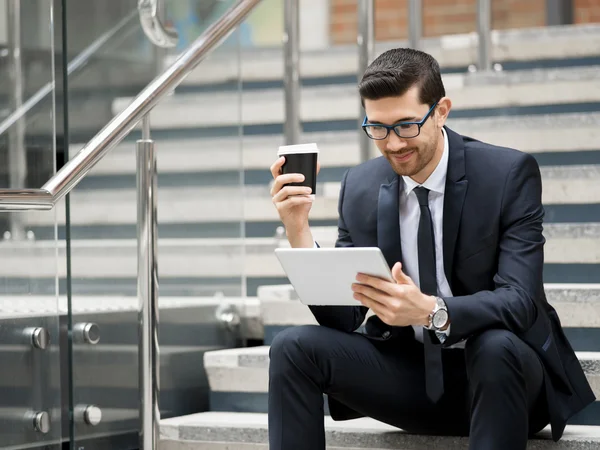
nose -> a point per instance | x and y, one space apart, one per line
395 143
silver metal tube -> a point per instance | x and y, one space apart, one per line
366 50
148 295
152 25
415 23
17 160
146 127
484 32
559 12
25 199
114 132
291 76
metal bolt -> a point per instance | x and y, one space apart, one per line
40 337
40 421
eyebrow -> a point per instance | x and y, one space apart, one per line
404 119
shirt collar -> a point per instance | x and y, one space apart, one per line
437 180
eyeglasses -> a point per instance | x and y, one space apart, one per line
405 130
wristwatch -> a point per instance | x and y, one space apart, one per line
438 318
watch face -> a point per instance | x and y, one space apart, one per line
440 318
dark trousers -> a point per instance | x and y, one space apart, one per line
493 388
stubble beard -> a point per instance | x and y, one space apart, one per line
417 162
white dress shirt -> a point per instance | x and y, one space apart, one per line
410 213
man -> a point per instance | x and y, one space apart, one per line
464 342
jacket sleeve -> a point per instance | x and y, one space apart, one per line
343 318
519 278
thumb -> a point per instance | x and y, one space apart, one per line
400 276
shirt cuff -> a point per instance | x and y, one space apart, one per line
443 335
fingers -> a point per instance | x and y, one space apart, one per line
282 180
383 285
400 276
295 200
376 295
380 310
290 191
277 165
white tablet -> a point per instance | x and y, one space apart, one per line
324 276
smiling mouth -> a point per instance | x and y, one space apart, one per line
402 156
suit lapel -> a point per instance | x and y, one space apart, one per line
388 222
454 197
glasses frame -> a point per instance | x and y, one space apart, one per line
365 125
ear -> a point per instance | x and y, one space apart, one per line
443 109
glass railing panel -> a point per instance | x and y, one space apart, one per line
32 375
119 61
199 275
110 58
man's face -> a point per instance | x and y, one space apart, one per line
413 157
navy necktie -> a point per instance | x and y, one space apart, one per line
434 377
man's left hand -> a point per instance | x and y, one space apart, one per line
400 303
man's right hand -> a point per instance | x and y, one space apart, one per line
293 204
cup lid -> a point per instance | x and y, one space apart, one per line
298 148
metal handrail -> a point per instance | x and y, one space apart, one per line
152 25
116 130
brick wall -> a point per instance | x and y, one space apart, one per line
586 11
446 17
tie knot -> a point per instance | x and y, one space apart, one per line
422 195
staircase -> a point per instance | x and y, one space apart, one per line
218 227
546 101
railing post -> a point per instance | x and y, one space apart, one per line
366 50
291 76
147 289
559 12
415 23
17 161
484 32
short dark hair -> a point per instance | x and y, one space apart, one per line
395 71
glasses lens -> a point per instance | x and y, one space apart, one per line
407 130
375 132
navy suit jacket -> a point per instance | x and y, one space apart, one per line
493 259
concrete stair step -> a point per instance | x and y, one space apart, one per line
459 50
246 431
533 134
19 306
239 379
577 305
246 369
232 257
339 102
110 367
568 185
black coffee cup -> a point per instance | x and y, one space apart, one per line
301 158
